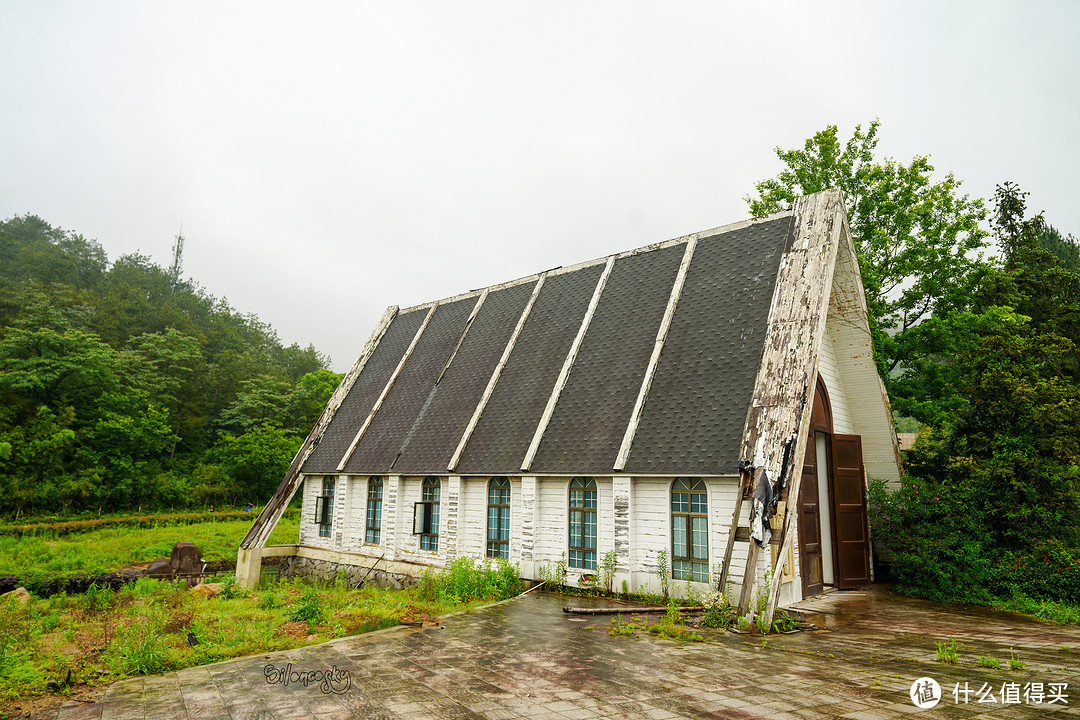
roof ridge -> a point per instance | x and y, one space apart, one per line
719 230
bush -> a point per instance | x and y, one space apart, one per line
309 608
943 550
1047 571
465 581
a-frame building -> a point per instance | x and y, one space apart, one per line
669 400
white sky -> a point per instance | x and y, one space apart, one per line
329 159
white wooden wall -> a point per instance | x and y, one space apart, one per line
463 532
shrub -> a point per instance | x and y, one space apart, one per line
719 612
607 569
309 608
464 581
139 649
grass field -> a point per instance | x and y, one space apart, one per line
109 549
65 645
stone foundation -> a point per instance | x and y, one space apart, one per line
327 571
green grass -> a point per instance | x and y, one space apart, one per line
1049 610
109 549
104 636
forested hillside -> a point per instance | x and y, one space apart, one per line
124 387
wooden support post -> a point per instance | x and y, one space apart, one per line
270 515
654 359
792 345
725 574
456 458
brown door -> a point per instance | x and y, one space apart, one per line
849 513
810 523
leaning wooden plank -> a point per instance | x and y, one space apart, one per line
568 363
486 397
266 521
386 389
621 610
725 575
654 359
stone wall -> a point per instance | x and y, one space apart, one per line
326 571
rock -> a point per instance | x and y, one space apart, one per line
186 558
160 568
207 590
20 593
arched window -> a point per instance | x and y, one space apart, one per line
583 523
498 524
426 520
373 528
689 530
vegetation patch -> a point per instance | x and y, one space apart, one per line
40 563
153 626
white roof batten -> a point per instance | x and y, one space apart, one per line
560 382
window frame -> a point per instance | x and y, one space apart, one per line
324 506
689 567
373 510
426 513
580 554
499 546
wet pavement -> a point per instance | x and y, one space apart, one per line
525 658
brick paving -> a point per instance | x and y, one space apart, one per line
525 658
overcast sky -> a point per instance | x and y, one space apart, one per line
330 159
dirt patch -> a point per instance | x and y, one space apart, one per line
37 705
292 629
177 621
411 613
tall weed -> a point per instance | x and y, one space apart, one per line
464 581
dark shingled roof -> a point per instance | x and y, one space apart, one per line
436 433
381 443
594 408
506 428
693 416
365 391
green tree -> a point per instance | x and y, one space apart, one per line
309 397
256 460
264 400
915 237
991 504
1066 248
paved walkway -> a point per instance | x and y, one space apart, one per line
527 659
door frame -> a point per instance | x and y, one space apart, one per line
821 421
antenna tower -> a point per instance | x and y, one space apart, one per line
178 260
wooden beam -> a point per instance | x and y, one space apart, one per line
729 546
386 389
792 345
837 234
270 515
654 359
456 458
568 363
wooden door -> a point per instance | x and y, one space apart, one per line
850 521
810 523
